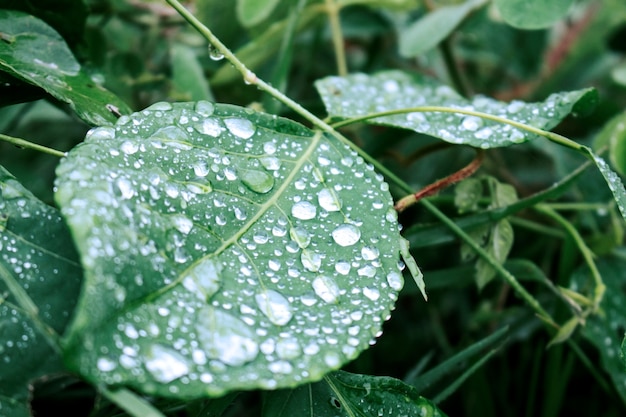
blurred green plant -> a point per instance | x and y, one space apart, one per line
206 259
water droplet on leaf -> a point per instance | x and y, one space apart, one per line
258 181
242 128
275 306
303 210
326 289
346 235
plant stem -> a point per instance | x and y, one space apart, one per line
582 247
335 26
551 136
251 78
437 186
506 275
453 68
22 143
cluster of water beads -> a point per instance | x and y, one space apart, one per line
361 94
274 274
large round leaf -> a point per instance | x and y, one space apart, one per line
224 249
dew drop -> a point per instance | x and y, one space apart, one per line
332 359
101 133
300 236
225 337
165 364
242 128
326 289
303 210
275 306
269 148
106 364
126 188
312 261
471 123
209 127
271 163
371 293
484 133
328 200
343 267
129 147
205 108
258 181
201 169
215 53
182 223
369 253
346 235
203 278
160 106
395 280
288 348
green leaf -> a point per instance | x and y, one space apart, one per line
188 80
533 14
344 394
67 17
430 30
613 180
605 330
613 135
467 194
33 52
224 249
39 284
498 246
359 95
252 12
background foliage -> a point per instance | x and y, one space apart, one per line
475 348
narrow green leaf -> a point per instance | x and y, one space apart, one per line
188 80
39 284
427 32
614 182
431 377
224 249
252 12
342 394
603 330
613 135
359 95
565 332
35 53
130 402
533 14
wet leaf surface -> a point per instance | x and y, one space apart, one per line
39 284
33 52
361 94
224 249
345 394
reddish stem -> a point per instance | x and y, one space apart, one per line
439 185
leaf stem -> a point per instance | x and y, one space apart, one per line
551 136
251 78
22 143
453 67
332 9
437 186
505 274
582 247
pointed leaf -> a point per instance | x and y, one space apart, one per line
358 95
434 27
614 182
533 14
499 246
224 249
33 52
39 284
344 394
253 12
